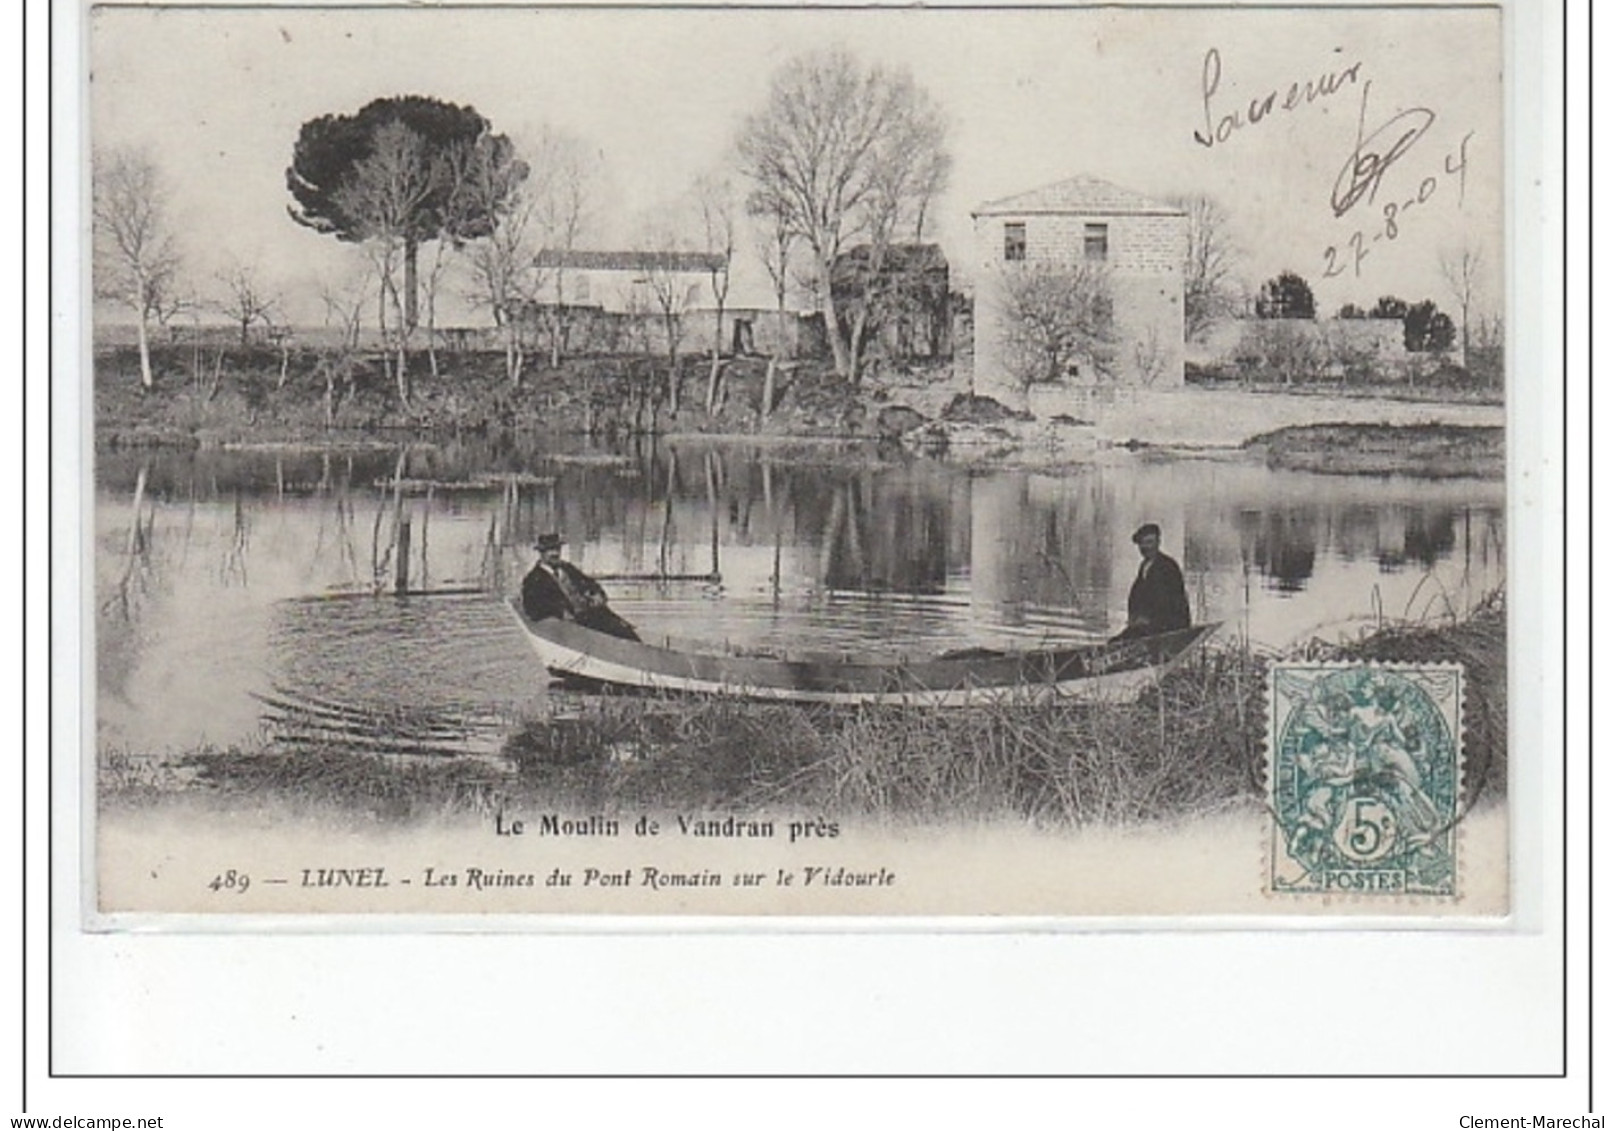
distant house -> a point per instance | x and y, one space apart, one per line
620 281
1138 241
611 305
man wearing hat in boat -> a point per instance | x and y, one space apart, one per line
1157 602
557 589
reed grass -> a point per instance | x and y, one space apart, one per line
317 780
1478 641
1184 748
1191 745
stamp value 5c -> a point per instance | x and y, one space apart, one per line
1364 768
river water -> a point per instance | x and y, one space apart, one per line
233 590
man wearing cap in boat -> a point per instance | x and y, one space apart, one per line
557 589
1157 602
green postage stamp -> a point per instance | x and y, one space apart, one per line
1364 771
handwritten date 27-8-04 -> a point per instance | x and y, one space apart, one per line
1338 259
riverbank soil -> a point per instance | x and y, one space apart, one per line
211 398
1227 418
1437 451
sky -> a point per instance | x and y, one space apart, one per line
217 95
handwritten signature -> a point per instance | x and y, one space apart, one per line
1349 255
1298 94
1372 157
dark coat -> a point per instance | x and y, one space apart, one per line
1157 602
564 591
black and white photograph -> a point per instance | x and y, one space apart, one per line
555 462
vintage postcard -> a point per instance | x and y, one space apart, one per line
1044 462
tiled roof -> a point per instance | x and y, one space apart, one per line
641 261
1079 196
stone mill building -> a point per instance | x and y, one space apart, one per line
1137 243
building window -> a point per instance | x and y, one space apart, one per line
1014 242
1096 241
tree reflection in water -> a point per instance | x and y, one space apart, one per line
819 548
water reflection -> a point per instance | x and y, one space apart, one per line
332 682
206 563
1281 545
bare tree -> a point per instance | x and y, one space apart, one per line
666 276
1057 317
913 171
566 175
1487 332
343 297
1210 292
774 237
503 271
384 196
136 259
505 281
716 205
338 366
169 299
245 299
1287 350
432 284
204 384
849 154
386 260
641 309
1461 268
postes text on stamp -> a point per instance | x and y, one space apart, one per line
1364 767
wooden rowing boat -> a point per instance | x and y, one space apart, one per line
1116 671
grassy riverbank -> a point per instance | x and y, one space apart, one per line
1191 747
250 396
256 396
1429 450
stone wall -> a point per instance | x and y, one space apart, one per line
1335 349
1147 244
1220 344
774 332
594 331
